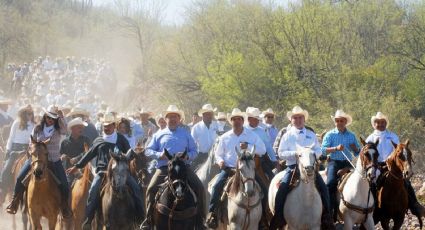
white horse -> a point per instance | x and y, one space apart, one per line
244 197
357 203
303 205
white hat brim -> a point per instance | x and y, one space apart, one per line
347 117
290 114
374 118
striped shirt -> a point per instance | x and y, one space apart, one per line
334 138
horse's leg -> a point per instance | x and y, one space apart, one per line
385 223
369 224
348 223
398 222
14 222
52 222
25 219
35 221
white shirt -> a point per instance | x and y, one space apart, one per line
293 137
19 136
385 147
204 137
227 143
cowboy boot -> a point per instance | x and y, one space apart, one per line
65 209
12 208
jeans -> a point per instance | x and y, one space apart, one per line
332 183
217 189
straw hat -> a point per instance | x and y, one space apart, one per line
76 121
51 111
253 112
173 109
78 110
297 111
341 114
221 115
379 116
268 111
108 119
145 111
207 108
236 113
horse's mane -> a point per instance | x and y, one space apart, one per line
234 187
109 169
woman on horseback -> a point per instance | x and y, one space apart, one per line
51 127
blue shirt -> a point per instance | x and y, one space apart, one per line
266 140
175 141
271 131
334 138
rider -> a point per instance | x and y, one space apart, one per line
226 157
339 143
386 139
102 147
175 139
51 127
18 141
298 135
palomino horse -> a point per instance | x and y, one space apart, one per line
303 206
43 192
176 205
357 199
392 196
244 195
118 208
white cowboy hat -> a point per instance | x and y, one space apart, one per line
76 121
379 116
145 111
158 117
236 113
269 111
207 108
5 101
108 119
341 114
253 112
78 110
51 111
221 115
296 111
173 109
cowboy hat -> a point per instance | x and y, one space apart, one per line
253 112
75 122
221 115
51 111
236 113
297 111
144 111
78 110
379 116
207 108
341 114
173 109
108 119
268 111
158 117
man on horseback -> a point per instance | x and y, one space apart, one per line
299 135
204 133
270 128
102 147
386 139
226 158
339 143
175 139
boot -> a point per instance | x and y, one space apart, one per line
277 222
212 220
65 209
12 208
86 224
327 222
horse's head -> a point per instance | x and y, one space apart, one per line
177 173
39 157
118 170
245 169
402 157
306 159
368 158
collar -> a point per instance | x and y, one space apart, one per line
379 133
297 131
111 138
337 130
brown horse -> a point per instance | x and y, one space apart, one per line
392 197
43 192
79 194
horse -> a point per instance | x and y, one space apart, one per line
243 195
43 195
355 191
303 206
176 202
79 196
392 196
118 208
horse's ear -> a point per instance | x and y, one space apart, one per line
394 144
362 140
407 142
33 141
184 154
46 141
167 154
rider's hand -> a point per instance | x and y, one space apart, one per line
221 165
64 157
340 148
72 170
354 147
243 145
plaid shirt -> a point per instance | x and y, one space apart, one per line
334 138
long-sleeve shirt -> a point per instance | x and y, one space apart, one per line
19 136
266 140
175 141
53 146
334 138
385 147
271 131
297 137
204 137
229 142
